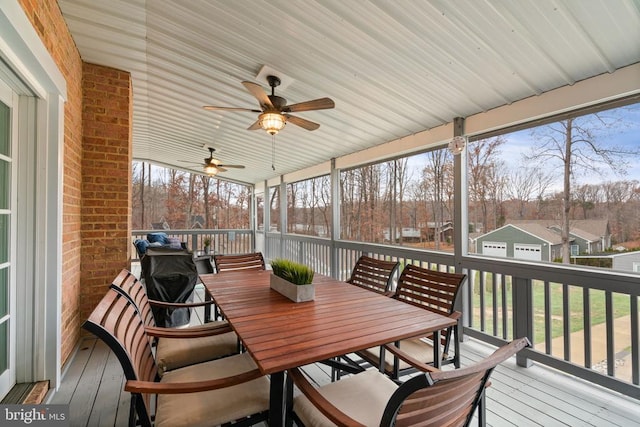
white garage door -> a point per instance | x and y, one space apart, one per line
494 248
530 252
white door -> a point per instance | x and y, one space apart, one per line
527 251
494 248
7 240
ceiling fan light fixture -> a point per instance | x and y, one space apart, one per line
211 170
272 122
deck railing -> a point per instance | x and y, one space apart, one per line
582 321
222 241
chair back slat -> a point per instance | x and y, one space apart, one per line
250 261
445 398
116 321
373 274
432 290
128 284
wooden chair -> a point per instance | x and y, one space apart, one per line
250 261
433 397
373 274
432 290
212 393
177 347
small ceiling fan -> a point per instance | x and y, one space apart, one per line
274 109
212 165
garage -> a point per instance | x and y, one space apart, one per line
494 249
527 251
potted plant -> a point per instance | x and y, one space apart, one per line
207 245
292 279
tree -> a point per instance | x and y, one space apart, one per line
437 181
526 184
580 145
485 177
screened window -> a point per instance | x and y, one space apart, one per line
309 207
572 185
407 201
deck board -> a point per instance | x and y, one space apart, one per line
534 396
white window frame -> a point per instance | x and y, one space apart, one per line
33 74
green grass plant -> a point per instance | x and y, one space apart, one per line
292 271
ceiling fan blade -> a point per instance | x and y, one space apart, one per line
221 169
303 123
255 125
316 104
214 108
232 166
259 93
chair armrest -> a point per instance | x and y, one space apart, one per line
164 304
134 386
323 405
410 360
186 332
455 315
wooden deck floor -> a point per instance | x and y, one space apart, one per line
535 396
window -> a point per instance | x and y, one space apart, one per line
407 202
518 178
274 209
309 207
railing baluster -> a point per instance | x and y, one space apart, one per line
635 341
505 311
494 290
611 356
548 324
586 324
566 322
483 325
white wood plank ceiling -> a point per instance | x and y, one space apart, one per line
393 68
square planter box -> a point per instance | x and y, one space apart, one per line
296 293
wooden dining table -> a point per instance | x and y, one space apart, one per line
280 334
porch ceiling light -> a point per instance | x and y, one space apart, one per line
211 170
272 122
457 144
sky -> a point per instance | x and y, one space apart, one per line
625 134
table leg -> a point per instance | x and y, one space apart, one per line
437 359
207 308
276 400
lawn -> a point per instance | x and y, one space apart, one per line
621 307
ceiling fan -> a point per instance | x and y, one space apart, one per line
212 166
274 109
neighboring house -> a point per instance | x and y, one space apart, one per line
160 225
541 240
197 222
444 229
623 261
409 234
626 261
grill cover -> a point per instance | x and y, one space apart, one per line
170 276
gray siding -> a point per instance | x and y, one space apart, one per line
625 262
511 235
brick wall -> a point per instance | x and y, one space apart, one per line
48 22
106 180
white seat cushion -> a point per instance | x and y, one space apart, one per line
174 353
416 348
215 407
363 397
